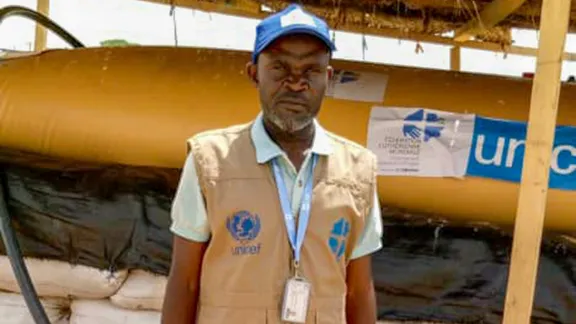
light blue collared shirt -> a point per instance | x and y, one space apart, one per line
189 217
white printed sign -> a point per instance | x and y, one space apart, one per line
358 86
420 142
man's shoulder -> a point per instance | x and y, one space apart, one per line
219 143
220 134
354 162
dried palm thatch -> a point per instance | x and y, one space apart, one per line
410 17
430 17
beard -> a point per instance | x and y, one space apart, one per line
289 112
290 125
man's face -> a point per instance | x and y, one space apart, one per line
292 75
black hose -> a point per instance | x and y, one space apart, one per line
42 20
16 260
6 231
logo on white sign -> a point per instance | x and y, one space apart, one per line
422 124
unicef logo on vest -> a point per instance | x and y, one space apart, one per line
244 228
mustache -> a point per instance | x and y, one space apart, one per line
292 96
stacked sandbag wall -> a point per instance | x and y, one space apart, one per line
83 295
80 294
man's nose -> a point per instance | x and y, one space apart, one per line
296 83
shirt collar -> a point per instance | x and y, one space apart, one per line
267 150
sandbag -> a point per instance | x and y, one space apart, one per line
60 279
104 312
141 291
13 309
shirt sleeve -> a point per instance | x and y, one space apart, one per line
189 216
371 239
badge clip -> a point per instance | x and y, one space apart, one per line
297 269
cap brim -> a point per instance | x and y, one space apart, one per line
293 31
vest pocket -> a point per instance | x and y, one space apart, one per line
330 316
225 315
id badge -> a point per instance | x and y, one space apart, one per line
296 299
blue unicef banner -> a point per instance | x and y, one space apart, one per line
498 149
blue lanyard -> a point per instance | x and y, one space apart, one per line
296 239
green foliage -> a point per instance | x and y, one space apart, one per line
116 43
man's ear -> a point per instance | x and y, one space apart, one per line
252 72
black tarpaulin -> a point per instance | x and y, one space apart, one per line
115 218
459 274
62 216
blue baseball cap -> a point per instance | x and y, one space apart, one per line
292 20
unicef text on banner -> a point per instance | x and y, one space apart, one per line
420 142
498 151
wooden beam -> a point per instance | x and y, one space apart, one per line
455 62
248 9
40 39
491 15
536 165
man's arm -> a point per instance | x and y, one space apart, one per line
190 226
183 287
360 297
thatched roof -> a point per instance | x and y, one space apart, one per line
423 17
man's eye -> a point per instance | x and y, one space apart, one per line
314 71
277 67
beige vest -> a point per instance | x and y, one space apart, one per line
249 257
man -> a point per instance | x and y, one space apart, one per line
256 241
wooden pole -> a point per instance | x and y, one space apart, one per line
455 64
535 174
40 40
